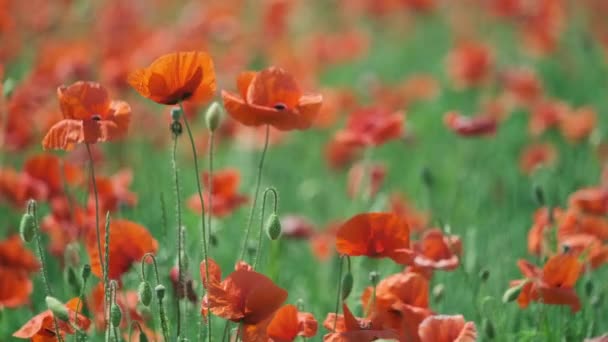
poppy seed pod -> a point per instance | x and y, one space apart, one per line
273 227
176 128
484 275
27 227
213 116
145 293
373 277
588 287
72 279
57 308
86 271
512 293
160 291
347 285
115 315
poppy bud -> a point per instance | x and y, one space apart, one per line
86 271
72 255
176 114
143 337
511 294
539 195
176 128
427 177
115 315
144 293
273 227
251 248
160 291
484 275
347 285
488 328
213 116
373 277
27 227
213 240
300 304
438 291
57 308
72 279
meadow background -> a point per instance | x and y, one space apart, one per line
478 189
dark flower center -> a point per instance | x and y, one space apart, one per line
96 117
280 106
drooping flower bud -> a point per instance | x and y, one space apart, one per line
72 279
160 291
438 292
512 293
213 116
347 285
86 272
484 275
115 315
27 227
373 277
144 293
58 309
539 195
176 113
273 227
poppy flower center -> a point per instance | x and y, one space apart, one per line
280 106
96 117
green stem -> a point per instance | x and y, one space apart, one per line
178 210
258 250
337 308
106 274
200 195
255 196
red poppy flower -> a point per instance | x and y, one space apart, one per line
16 264
296 227
176 77
129 304
66 223
52 172
89 116
400 206
479 125
577 125
339 154
288 323
444 328
243 296
401 303
590 200
522 86
225 198
588 248
271 97
372 126
535 156
573 221
178 288
553 284
375 235
375 174
470 64
41 327
436 251
17 188
546 114
113 191
321 244
540 230
352 329
129 242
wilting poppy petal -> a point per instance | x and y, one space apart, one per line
443 328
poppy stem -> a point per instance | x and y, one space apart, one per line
161 307
96 195
255 196
106 274
178 211
141 331
338 292
32 210
163 208
200 196
143 269
258 251
83 289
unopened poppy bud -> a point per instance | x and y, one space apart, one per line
273 227
484 275
160 291
176 128
588 287
72 279
427 177
213 240
373 277
57 308
438 291
27 227
347 285
143 337
115 315
176 113
72 255
511 294
300 304
488 328
213 116
144 293
251 248
86 271
539 195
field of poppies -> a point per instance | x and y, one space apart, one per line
282 170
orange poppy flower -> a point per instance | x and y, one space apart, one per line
41 328
372 126
350 329
128 243
185 289
339 154
321 244
401 303
574 222
375 235
176 77
590 200
416 220
16 264
225 198
442 328
587 247
546 114
541 229
535 156
375 173
243 296
553 284
52 171
436 251
89 116
470 64
522 86
271 97
288 323
113 191
578 124
17 188
66 223
128 301
479 125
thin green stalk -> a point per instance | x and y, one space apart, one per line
161 307
178 210
255 196
337 308
258 250
106 277
200 195
32 209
